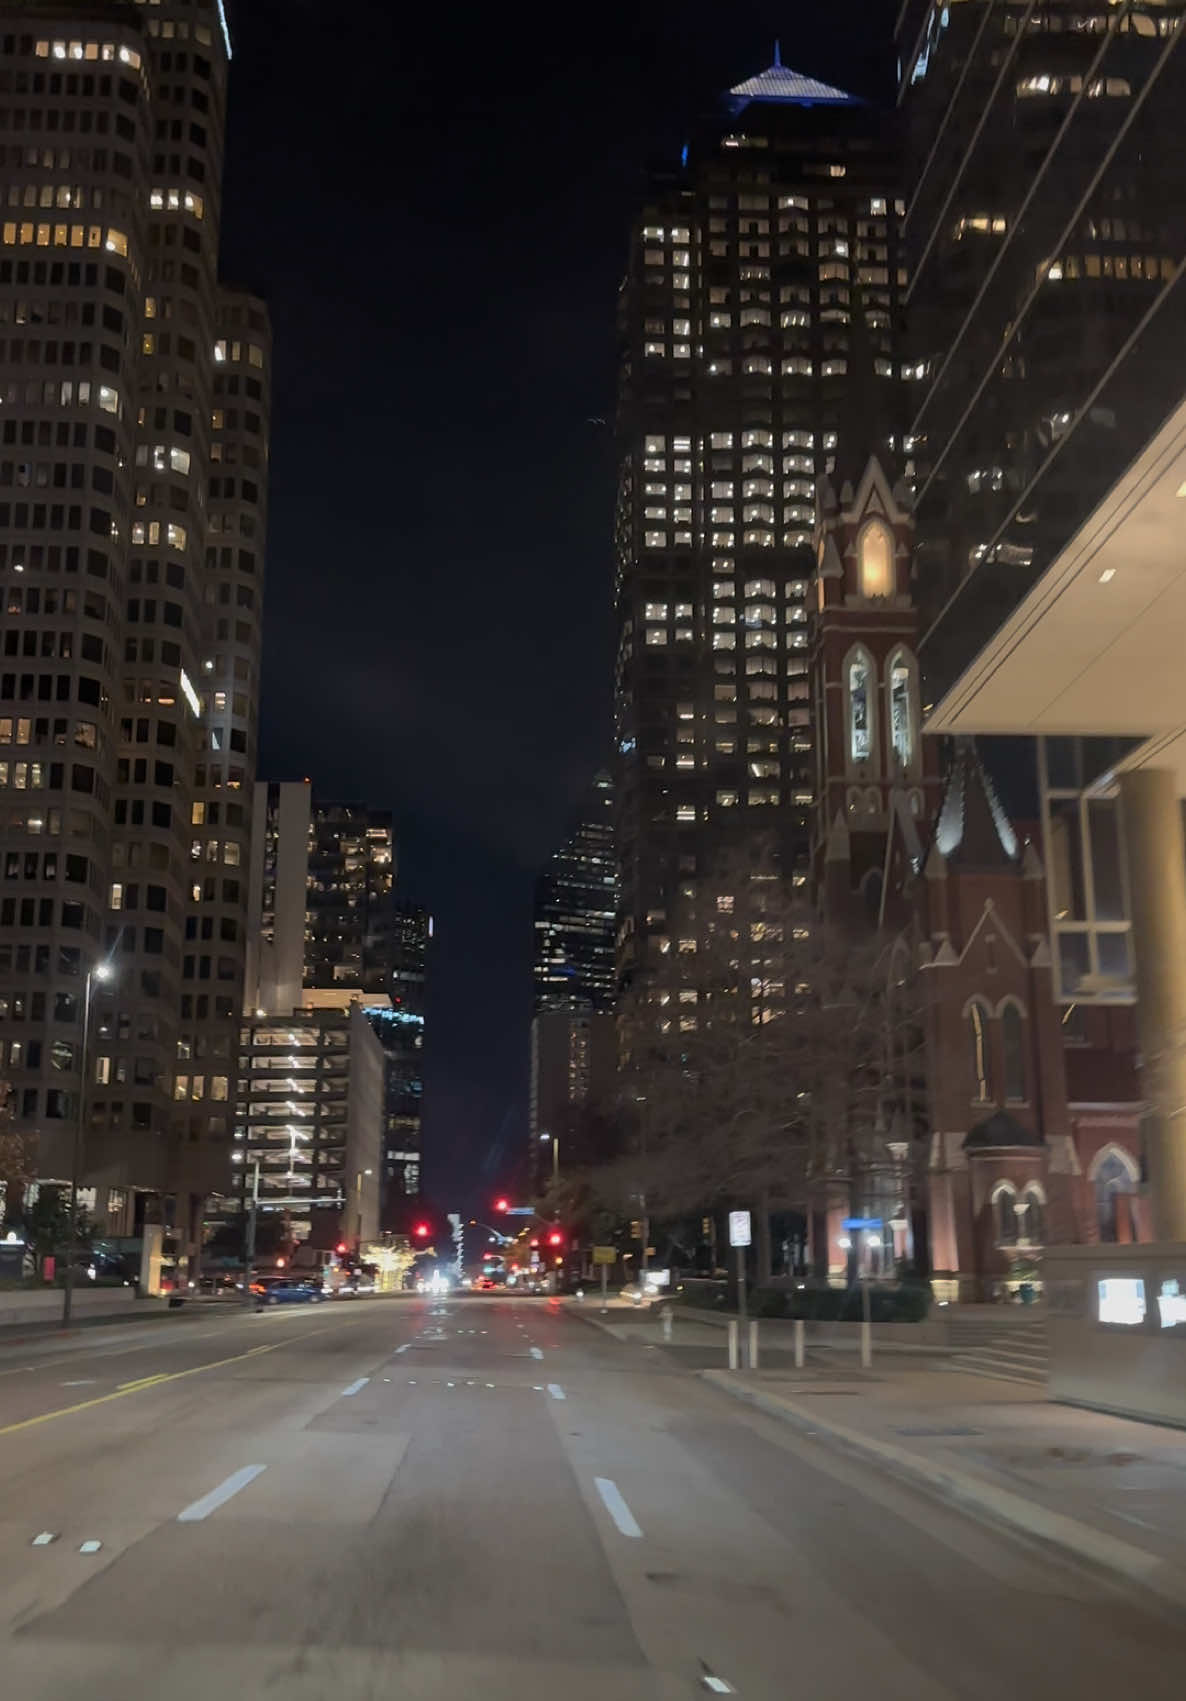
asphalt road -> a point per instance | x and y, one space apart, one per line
490 1498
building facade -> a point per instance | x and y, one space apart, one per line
130 699
310 1121
401 1033
752 266
1026 1130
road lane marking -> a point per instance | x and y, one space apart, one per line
90 1547
556 1391
404 1348
140 1387
217 1497
536 1352
84 1382
717 1684
616 1507
44 1538
142 1382
355 1387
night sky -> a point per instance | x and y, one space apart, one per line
435 201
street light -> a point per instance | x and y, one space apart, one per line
99 972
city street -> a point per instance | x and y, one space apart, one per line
490 1497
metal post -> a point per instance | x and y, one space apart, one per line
799 1343
646 1241
604 1281
555 1160
866 1328
733 1352
249 1240
358 1201
753 1344
666 1322
76 1157
741 1283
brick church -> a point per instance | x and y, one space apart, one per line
1033 1114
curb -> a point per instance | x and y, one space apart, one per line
1080 1541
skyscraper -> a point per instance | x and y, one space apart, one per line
575 911
1045 230
131 711
401 1033
753 265
350 920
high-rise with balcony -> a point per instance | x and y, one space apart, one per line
756 265
132 577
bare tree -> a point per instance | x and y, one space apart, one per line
774 1057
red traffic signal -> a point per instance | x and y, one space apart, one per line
341 1246
502 1204
555 1239
421 1231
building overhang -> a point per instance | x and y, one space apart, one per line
1096 647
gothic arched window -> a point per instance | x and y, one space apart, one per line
860 707
981 1053
901 707
875 553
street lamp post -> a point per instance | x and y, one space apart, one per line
100 972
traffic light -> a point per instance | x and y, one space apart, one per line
502 1204
341 1246
555 1239
421 1231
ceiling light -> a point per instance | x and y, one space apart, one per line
1108 573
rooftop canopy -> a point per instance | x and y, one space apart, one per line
778 83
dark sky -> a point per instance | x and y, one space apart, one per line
435 200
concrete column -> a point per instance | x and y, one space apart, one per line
1157 879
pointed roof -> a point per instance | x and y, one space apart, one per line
998 1130
972 829
779 83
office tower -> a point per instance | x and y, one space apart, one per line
350 919
401 1034
310 1120
1045 230
755 265
575 911
278 894
573 1035
133 717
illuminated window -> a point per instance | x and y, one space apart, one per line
876 559
860 707
901 711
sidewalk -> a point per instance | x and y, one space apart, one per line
1105 1490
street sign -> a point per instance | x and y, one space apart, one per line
605 1255
862 1223
519 1211
739 1228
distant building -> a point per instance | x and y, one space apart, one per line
325 918
401 1032
310 1115
575 912
573 1038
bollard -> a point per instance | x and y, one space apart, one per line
753 1345
866 1346
799 1344
666 1322
733 1344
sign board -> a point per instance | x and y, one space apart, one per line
862 1222
519 1211
739 1228
605 1255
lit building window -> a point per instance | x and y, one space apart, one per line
859 707
876 559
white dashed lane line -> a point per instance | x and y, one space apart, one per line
355 1387
219 1496
617 1508
537 1352
556 1391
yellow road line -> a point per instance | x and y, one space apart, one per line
138 1387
